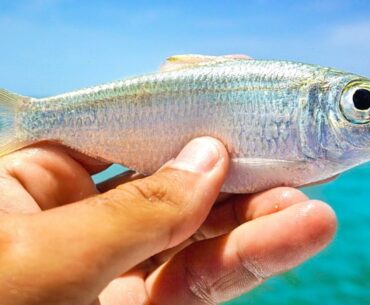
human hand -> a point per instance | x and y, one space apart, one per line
155 240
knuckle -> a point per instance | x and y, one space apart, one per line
253 270
158 191
161 199
199 287
209 288
149 190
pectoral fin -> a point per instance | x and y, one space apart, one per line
177 62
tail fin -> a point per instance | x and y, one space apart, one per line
10 139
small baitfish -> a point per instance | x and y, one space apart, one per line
283 123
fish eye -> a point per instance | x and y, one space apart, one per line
355 102
361 99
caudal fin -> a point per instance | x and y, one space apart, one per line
11 138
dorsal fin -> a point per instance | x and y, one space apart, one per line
10 98
178 62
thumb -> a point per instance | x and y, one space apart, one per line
106 235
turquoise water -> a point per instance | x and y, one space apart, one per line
341 273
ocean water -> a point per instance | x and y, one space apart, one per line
341 273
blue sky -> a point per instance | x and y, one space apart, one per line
52 46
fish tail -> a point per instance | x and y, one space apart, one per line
11 136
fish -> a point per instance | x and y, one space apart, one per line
283 123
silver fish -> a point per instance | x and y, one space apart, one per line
283 123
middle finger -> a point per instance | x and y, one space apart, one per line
235 211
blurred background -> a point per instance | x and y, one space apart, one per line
52 46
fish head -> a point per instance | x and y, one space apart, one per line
343 120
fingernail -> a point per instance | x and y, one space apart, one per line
199 155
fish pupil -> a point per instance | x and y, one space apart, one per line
361 99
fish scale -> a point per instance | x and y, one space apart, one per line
280 121
203 89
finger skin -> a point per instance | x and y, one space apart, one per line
14 197
235 211
57 269
219 269
49 176
242 208
91 242
129 289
